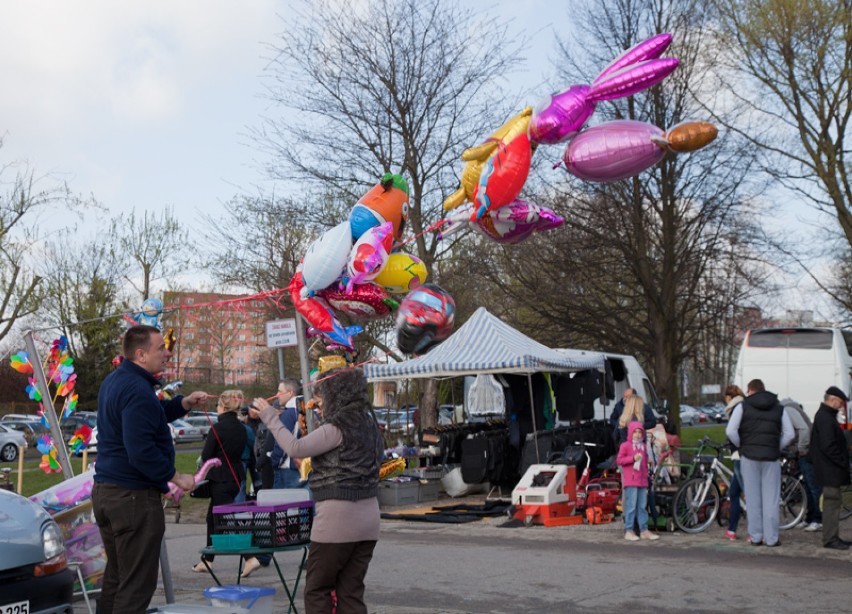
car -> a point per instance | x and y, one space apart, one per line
715 412
183 431
10 441
688 415
34 574
202 422
31 429
26 417
69 425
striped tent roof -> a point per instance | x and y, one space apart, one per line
485 344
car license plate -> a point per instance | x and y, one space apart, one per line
22 607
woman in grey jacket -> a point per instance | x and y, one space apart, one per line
346 453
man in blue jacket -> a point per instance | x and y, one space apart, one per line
136 460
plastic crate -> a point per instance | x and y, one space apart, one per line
393 493
269 525
425 473
429 490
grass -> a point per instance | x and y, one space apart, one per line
690 435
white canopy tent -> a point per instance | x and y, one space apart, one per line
486 344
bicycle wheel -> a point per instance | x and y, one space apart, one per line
696 505
845 502
794 502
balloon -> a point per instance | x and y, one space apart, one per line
319 316
325 260
365 301
385 202
425 318
149 313
501 180
369 255
649 49
613 150
509 224
562 115
687 136
402 273
176 492
477 157
623 148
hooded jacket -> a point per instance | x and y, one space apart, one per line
626 452
829 452
761 427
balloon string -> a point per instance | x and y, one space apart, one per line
430 228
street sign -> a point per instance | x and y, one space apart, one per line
281 333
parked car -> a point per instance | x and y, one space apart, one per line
10 441
26 417
69 425
715 412
34 574
31 429
688 415
183 431
202 423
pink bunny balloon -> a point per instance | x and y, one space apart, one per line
176 492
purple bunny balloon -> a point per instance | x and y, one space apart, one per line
562 115
509 224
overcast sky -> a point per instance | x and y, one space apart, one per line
148 104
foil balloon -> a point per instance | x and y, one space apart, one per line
364 302
557 119
510 224
624 148
326 258
385 202
613 150
687 136
149 313
320 317
477 157
501 180
402 273
369 255
176 492
425 319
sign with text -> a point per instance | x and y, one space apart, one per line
281 333
711 389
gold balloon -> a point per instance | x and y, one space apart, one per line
690 136
476 157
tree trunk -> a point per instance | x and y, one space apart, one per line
429 404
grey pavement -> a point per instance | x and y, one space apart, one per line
426 568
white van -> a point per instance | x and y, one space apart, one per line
626 373
796 363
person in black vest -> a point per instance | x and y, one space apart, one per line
830 457
760 429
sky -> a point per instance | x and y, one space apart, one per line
144 105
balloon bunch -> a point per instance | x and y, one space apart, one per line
59 372
496 170
176 492
350 269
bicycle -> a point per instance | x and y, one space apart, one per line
698 500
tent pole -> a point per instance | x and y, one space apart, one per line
532 412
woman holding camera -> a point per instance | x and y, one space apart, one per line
346 453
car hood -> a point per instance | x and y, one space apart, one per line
21 521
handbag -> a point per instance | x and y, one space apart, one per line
201 491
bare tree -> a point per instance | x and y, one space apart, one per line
23 197
152 242
639 266
385 86
787 67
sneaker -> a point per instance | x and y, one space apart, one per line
631 536
775 545
649 536
732 535
199 567
802 525
814 526
758 542
250 567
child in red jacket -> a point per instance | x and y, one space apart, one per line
633 460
